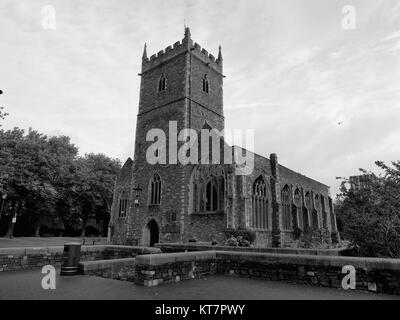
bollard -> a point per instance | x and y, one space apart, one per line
70 259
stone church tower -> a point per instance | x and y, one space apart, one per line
182 84
182 88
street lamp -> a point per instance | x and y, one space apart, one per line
137 190
17 207
4 197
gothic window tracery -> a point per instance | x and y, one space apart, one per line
208 190
123 205
308 201
206 84
298 204
318 210
155 190
286 208
260 204
162 83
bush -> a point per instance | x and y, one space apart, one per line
238 241
245 234
315 239
370 215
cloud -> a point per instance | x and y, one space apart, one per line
292 74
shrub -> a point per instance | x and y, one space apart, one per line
245 234
315 238
370 215
238 241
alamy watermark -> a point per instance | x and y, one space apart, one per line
349 20
49 280
48 21
208 147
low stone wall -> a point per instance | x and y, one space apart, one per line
119 269
178 247
107 252
377 275
12 259
174 267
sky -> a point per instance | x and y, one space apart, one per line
294 70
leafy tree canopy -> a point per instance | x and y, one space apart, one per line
45 176
370 216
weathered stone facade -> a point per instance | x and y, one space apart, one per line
177 203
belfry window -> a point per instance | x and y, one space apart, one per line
286 208
205 84
123 205
162 83
260 204
155 190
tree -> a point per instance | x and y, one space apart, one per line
45 178
370 217
91 192
32 167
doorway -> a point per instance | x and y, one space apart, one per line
151 234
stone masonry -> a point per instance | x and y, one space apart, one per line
172 202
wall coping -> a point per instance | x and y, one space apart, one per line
207 246
272 258
164 258
85 266
86 248
339 261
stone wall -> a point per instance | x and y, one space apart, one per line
118 269
174 267
377 275
122 189
12 259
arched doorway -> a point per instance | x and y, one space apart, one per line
151 234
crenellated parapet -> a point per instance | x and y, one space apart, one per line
181 47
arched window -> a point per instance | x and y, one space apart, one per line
286 208
208 193
298 204
260 204
211 197
324 213
317 212
195 198
123 205
308 201
205 84
162 83
155 189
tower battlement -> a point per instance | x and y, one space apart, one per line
181 47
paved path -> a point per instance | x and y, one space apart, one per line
27 285
44 242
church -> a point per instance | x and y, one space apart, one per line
177 203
